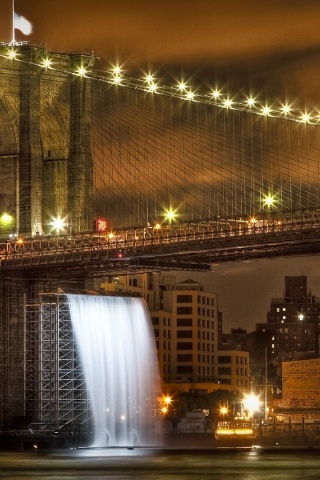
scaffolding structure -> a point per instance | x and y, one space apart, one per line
56 396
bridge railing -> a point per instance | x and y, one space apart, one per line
135 240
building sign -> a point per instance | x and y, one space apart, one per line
100 225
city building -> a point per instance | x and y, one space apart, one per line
233 369
187 326
300 390
293 321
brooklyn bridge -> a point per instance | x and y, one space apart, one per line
180 179
104 172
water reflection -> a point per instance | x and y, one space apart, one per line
155 464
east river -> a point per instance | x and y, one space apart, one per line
171 464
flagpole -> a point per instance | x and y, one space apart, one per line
13 32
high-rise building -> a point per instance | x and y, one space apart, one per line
187 343
294 320
187 326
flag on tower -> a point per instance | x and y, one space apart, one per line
22 24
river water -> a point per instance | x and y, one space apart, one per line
173 464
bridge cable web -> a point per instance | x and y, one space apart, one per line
153 152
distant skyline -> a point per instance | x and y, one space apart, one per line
246 289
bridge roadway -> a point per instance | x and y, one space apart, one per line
193 245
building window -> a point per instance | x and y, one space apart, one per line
184 357
184 322
184 298
224 371
184 345
224 359
184 334
184 310
184 369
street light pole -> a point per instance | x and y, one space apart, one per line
266 384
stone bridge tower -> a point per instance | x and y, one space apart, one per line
46 171
46 163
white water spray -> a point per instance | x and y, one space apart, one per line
117 349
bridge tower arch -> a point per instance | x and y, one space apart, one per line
45 151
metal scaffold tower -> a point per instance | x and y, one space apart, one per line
55 388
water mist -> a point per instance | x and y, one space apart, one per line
117 349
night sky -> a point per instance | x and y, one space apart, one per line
271 45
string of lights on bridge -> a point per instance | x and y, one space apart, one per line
181 90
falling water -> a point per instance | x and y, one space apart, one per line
116 346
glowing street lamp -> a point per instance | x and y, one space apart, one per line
251 403
58 224
286 109
116 70
170 215
305 118
46 63
269 200
6 219
227 103
81 71
166 401
251 102
266 110
12 54
223 411
216 94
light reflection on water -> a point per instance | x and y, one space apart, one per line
122 464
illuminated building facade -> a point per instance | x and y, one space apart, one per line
187 324
233 369
301 389
294 320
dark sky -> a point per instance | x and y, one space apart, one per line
272 45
